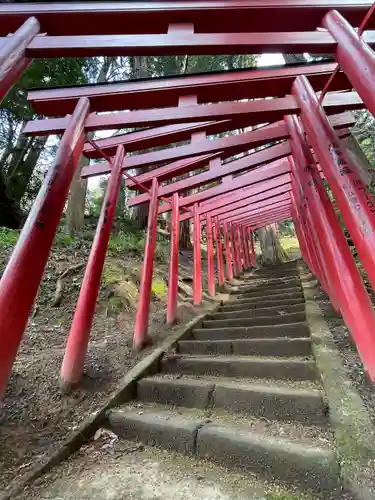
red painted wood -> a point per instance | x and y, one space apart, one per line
13 59
140 337
149 138
251 113
210 257
242 16
219 252
356 204
355 56
228 253
238 216
173 169
249 207
345 280
173 263
76 348
235 166
173 44
227 146
261 188
159 92
243 202
197 278
26 265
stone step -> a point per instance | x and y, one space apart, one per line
232 306
270 292
238 366
271 402
291 330
258 321
260 288
238 299
283 347
258 311
247 444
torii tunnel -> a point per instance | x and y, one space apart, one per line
294 119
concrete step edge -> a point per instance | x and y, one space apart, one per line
274 403
304 465
279 346
238 366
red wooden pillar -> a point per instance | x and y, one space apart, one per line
240 249
210 257
305 251
309 230
253 253
355 57
140 337
12 55
197 282
236 269
345 279
20 282
228 256
245 247
173 263
353 199
219 253
76 348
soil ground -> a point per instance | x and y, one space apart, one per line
35 416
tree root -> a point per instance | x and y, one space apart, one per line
59 284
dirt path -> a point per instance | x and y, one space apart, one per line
35 416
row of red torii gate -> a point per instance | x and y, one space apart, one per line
297 118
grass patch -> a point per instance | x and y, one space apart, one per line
159 288
289 244
8 237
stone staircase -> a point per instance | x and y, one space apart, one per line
243 391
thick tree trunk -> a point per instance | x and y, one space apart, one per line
272 252
78 187
364 167
140 70
19 179
10 213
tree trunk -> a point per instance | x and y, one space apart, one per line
140 70
360 159
19 179
78 187
185 238
10 213
272 252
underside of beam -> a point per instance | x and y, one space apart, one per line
211 87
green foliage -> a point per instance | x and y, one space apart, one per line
159 288
8 237
134 242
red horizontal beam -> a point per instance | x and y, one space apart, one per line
236 215
173 169
242 16
251 198
176 43
238 183
266 202
264 218
149 138
163 92
228 146
235 166
244 203
273 220
253 112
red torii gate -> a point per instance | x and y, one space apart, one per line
279 191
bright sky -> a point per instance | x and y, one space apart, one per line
270 60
